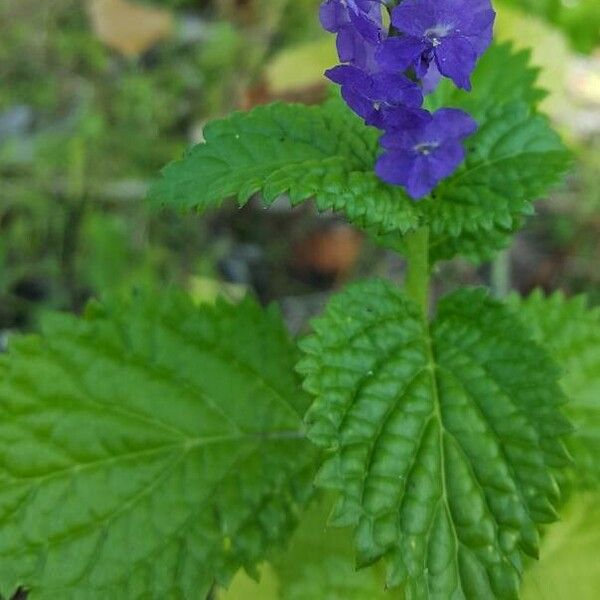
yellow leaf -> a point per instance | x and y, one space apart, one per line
300 67
128 27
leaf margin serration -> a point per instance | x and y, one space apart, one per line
341 472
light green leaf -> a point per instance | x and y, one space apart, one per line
442 440
317 564
148 450
568 566
320 564
571 333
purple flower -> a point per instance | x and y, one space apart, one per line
384 100
420 157
453 33
359 28
363 15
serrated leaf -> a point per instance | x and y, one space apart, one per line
504 83
327 154
442 439
513 159
148 450
503 75
571 333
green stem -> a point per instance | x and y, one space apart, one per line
501 275
417 276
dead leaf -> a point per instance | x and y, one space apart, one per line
328 254
129 27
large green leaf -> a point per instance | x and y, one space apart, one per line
571 333
148 450
443 440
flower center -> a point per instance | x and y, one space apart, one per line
426 148
436 34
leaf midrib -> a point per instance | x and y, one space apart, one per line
437 414
187 446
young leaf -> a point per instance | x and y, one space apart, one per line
519 165
148 450
442 439
571 333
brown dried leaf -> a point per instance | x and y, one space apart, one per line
129 27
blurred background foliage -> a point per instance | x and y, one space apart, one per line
97 95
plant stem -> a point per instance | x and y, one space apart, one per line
500 277
417 276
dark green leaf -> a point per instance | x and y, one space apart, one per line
442 440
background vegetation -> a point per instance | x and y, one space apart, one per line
97 96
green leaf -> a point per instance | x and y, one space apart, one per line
326 556
512 160
327 154
520 157
442 440
571 333
148 450
568 566
318 563
503 75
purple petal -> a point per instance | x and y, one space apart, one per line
456 58
332 15
452 123
422 179
431 80
444 161
394 88
349 75
481 32
399 53
366 18
353 48
404 119
401 138
395 167
414 17
361 105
